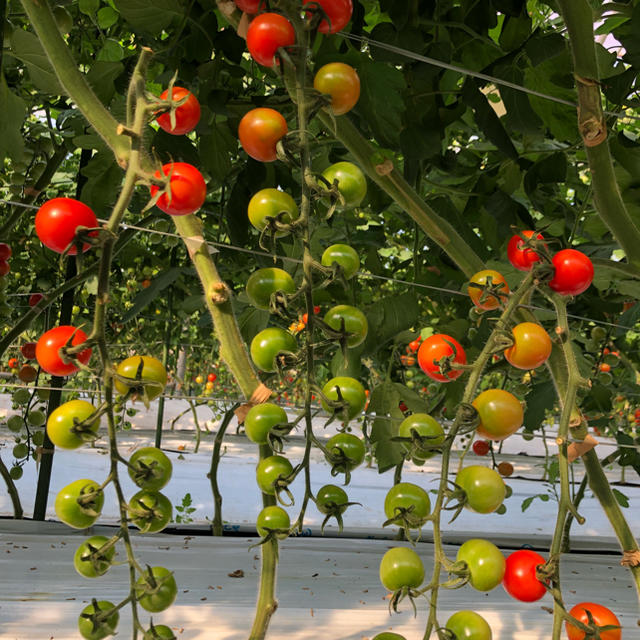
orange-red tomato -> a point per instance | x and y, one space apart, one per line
49 344
259 132
266 34
342 83
187 187
187 115
436 347
482 278
522 258
500 413
531 348
601 616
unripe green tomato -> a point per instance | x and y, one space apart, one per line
269 470
15 423
159 597
21 396
469 625
104 628
388 635
424 425
153 376
16 473
401 567
345 256
20 451
159 632
355 323
352 393
348 446
270 203
261 419
406 495
71 512
263 283
36 418
61 422
485 562
351 182
102 561
484 487
150 511
328 494
268 344
150 468
273 517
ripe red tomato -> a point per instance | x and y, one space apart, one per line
338 13
401 567
5 251
28 350
501 414
250 6
13 363
49 344
266 34
482 278
531 347
259 132
485 562
574 272
57 221
34 299
436 347
484 487
187 186
520 580
187 115
601 616
522 258
212 377
481 447
342 83
5 267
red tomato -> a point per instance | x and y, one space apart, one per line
481 447
266 34
4 268
34 299
531 347
259 132
436 347
414 345
520 580
601 616
57 221
605 367
28 350
342 83
187 115
13 363
337 11
250 6
489 301
574 272
522 258
49 344
5 251
187 186
212 377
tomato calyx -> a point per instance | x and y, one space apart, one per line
416 445
150 511
98 558
492 294
405 518
90 501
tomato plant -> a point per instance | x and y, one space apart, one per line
57 222
270 471
156 589
272 203
266 34
469 625
341 82
348 449
79 504
186 116
90 560
531 347
93 629
520 580
500 412
338 14
352 321
267 345
521 257
261 419
480 285
186 190
437 348
259 131
48 350
150 468
406 502
401 567
352 184
573 272
150 511
484 488
344 256
64 424
601 617
274 518
428 429
147 374
349 390
263 283
485 562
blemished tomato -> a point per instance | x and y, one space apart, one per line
342 83
89 561
351 319
348 447
484 487
469 625
351 183
520 257
263 283
601 617
352 393
274 518
483 278
28 373
150 511
5 251
57 221
150 468
88 626
485 562
270 470
259 132
147 375
481 447
427 427
401 567
159 632
436 347
261 419
186 186
250 6
573 272
531 347
520 580
156 589
338 13
63 424
28 350
266 34
501 414
331 499
409 499
343 255
272 203
187 115
49 345
267 344
73 514
5 268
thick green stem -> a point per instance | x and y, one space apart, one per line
267 604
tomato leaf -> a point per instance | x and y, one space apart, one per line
150 16
539 400
621 499
13 111
27 48
158 284
384 401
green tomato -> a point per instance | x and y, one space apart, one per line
98 565
104 628
349 447
263 283
426 426
352 393
354 321
156 589
261 419
469 625
151 380
485 562
159 632
388 635
268 344
62 424
150 468
351 182
270 470
484 487
343 255
74 514
331 498
407 496
150 511
270 203
274 518
401 567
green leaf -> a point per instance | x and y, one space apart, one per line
88 7
539 400
159 283
107 17
251 321
388 317
621 499
216 149
13 110
102 77
414 402
105 180
151 16
384 402
515 31
111 51
27 48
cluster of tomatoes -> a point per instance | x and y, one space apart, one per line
25 372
